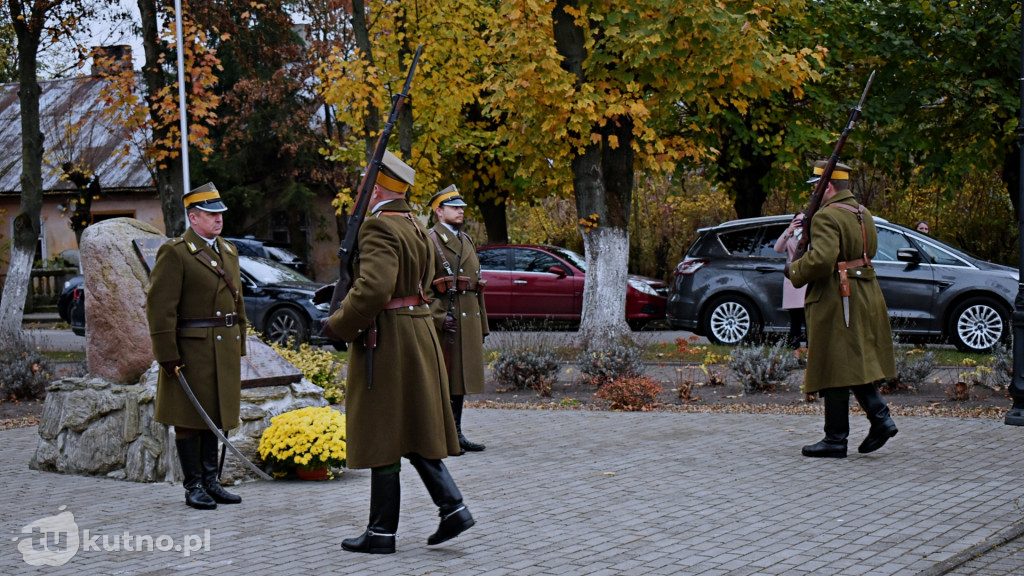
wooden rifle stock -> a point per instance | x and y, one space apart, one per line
347 250
826 174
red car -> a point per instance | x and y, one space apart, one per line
547 282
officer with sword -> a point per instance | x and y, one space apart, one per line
848 337
197 326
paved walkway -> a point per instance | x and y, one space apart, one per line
576 493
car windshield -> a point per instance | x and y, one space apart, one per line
577 260
281 254
269 272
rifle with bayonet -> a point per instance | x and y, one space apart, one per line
826 174
348 248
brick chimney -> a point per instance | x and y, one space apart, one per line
111 60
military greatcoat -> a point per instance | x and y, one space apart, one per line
466 353
406 407
838 355
183 286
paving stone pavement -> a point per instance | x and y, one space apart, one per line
572 493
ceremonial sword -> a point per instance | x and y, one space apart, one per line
213 427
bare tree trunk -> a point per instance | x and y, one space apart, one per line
604 293
168 176
12 305
26 224
371 121
603 185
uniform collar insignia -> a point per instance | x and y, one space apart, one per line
192 246
444 237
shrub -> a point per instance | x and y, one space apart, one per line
603 367
632 393
522 368
762 368
912 367
24 372
318 366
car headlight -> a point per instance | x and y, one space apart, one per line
642 287
324 307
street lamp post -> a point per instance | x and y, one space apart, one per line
1015 417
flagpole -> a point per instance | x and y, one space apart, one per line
182 113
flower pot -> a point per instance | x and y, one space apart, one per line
311 473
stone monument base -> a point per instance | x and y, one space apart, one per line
93 427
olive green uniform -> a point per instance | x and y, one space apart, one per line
406 408
467 351
185 287
841 356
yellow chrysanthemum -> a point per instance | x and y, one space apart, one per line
304 436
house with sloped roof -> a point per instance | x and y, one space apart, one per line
81 143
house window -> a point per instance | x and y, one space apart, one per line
101 216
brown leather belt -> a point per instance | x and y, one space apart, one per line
414 300
462 284
858 263
226 320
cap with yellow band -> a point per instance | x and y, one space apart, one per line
840 172
448 197
205 198
395 175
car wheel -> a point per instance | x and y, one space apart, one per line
977 325
731 320
286 324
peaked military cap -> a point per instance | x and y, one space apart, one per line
840 172
448 197
394 174
205 198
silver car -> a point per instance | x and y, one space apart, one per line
729 286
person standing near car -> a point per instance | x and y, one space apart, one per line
458 307
848 337
792 297
397 401
197 325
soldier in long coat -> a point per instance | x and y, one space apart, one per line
403 410
458 307
849 345
197 325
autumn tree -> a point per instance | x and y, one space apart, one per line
446 133
269 128
629 85
160 116
35 23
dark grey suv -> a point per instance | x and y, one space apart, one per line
729 286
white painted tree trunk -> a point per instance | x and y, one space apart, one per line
604 294
12 308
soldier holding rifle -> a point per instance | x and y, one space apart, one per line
849 344
458 306
397 400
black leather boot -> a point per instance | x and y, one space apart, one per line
455 517
882 426
837 425
209 452
385 501
195 493
465 444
